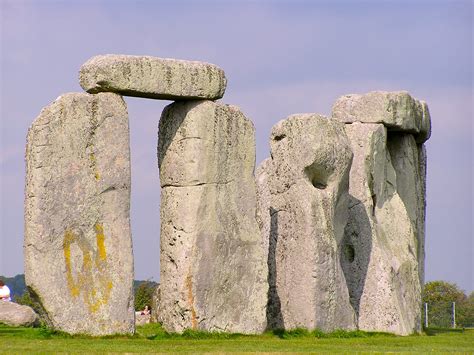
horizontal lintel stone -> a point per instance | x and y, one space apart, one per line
396 110
152 77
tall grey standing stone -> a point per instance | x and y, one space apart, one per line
78 250
409 161
152 77
213 273
303 196
380 245
385 236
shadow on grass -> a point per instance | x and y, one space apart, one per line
338 334
436 331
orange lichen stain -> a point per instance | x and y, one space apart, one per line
189 286
92 279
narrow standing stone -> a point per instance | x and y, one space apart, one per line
78 250
409 161
380 245
213 273
303 195
152 77
385 235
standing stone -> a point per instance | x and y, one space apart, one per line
385 236
421 228
152 77
303 195
78 250
213 274
409 161
380 245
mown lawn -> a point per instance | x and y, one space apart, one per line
152 339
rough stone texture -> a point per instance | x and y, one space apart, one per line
421 227
303 195
142 319
397 110
213 274
17 315
155 304
409 161
78 250
152 77
263 206
380 244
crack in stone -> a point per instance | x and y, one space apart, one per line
198 184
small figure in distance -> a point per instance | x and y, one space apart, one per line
4 292
146 311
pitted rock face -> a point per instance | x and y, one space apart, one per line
397 111
213 272
302 213
381 251
78 251
152 77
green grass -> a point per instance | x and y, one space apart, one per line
152 338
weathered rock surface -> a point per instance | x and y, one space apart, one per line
142 319
213 274
380 250
398 111
152 77
303 196
409 161
78 250
17 315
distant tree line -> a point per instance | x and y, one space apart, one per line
440 295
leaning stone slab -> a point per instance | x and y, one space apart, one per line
303 196
381 251
152 77
213 271
17 315
78 250
397 110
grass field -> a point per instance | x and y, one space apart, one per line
152 339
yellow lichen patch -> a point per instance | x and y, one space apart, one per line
189 286
92 280
99 233
69 238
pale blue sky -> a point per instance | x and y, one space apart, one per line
280 57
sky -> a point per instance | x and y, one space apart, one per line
280 58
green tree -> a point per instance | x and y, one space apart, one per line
144 295
27 300
465 312
440 296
